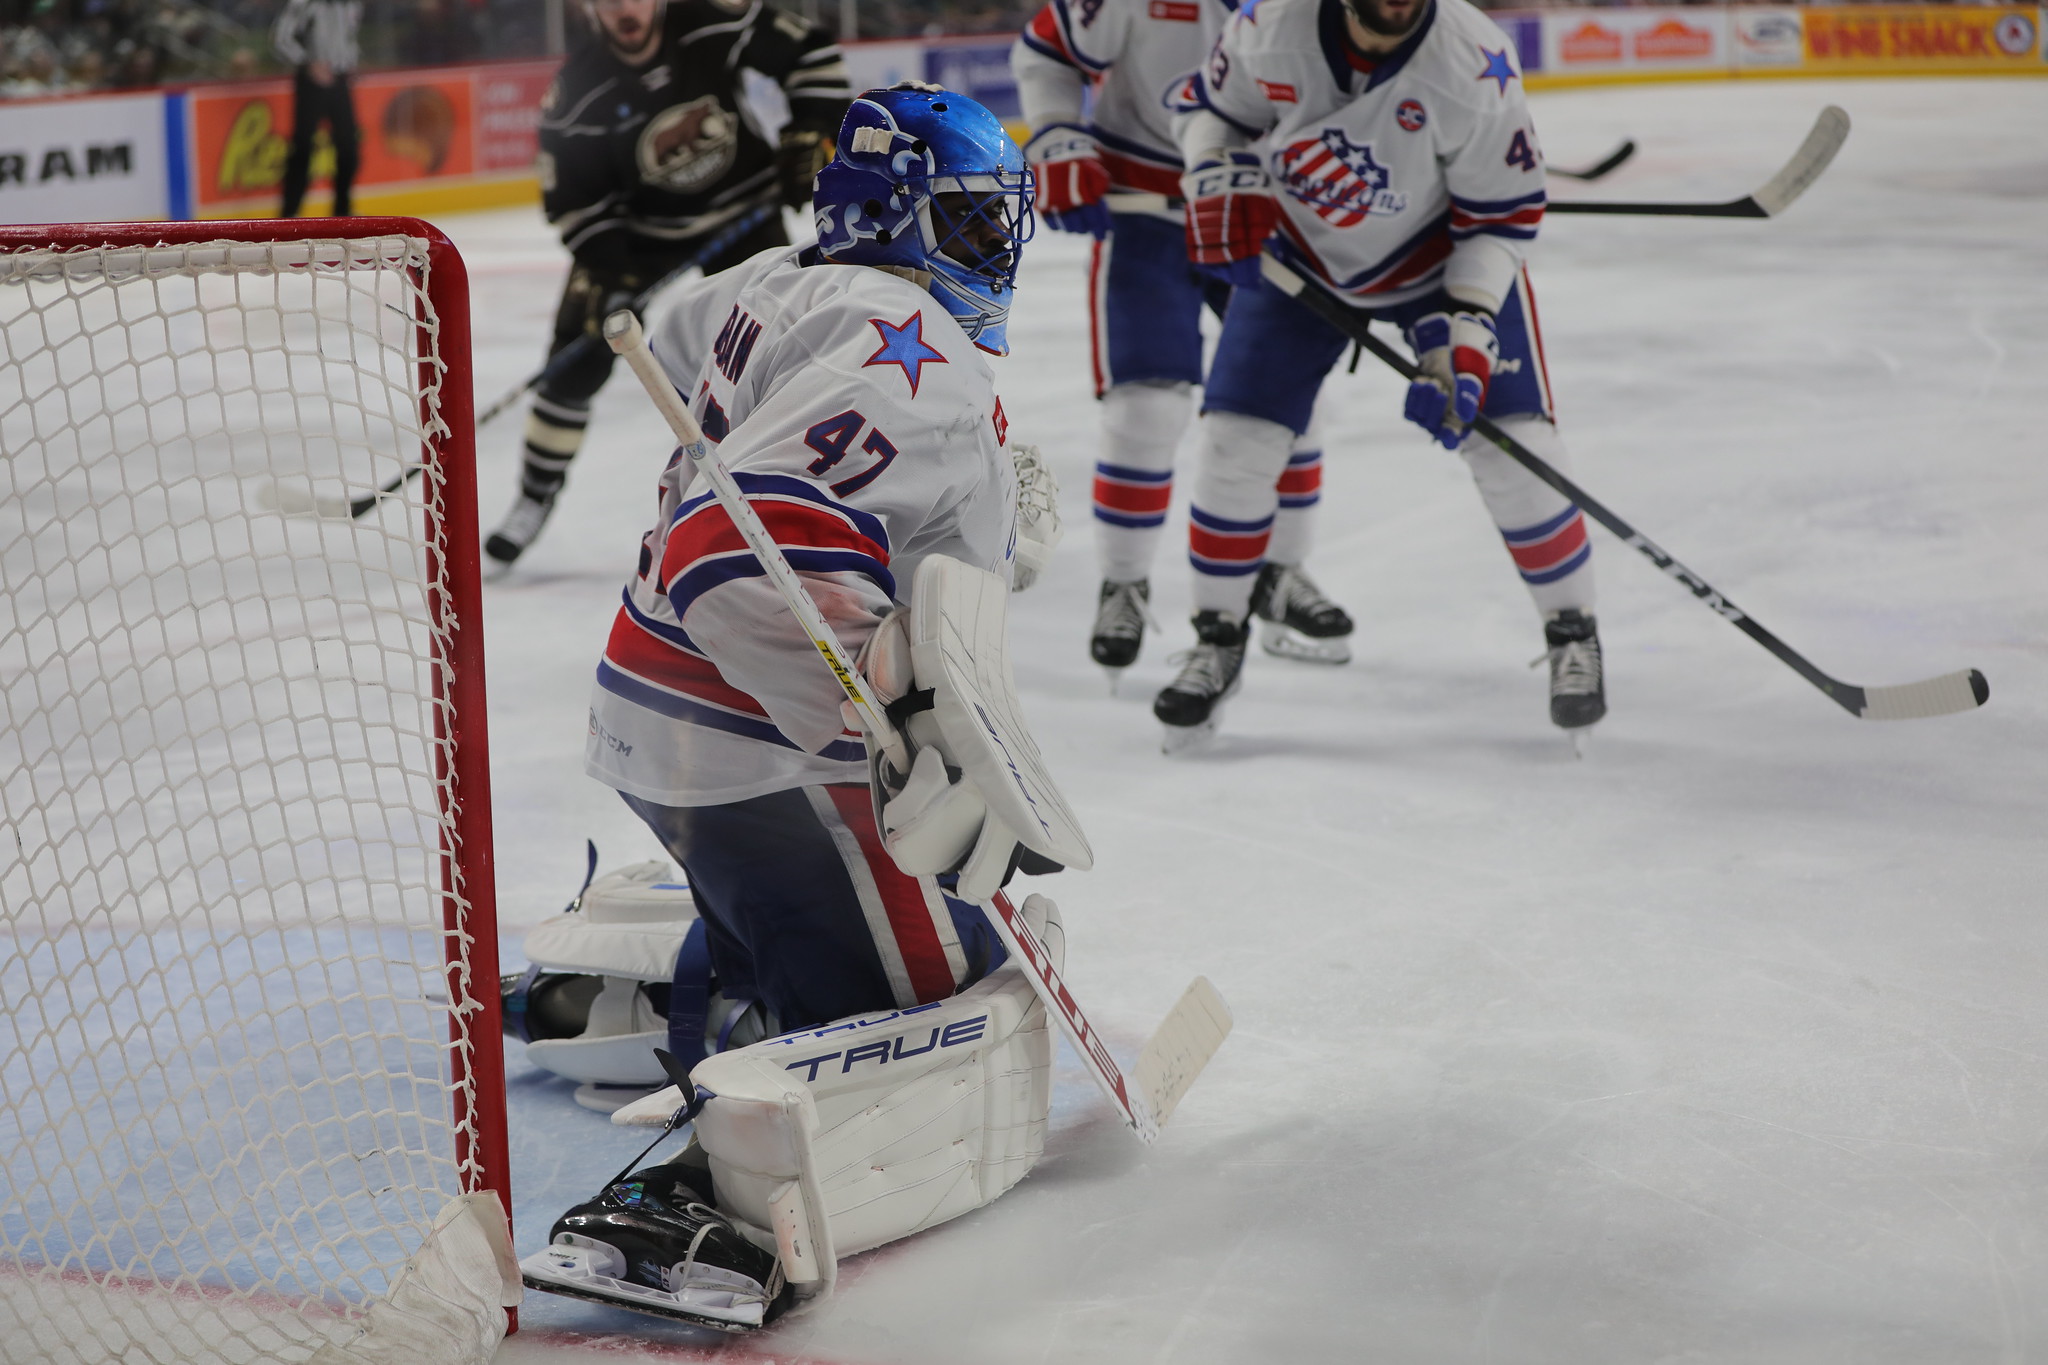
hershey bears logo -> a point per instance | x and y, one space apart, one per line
686 147
1338 178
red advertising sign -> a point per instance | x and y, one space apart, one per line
448 124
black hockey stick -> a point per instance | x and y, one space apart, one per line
1951 692
335 507
1599 168
1771 198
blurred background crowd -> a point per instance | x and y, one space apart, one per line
61 46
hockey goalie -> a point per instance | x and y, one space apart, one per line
877 1061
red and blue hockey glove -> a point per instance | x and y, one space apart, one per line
1071 179
1231 213
1456 353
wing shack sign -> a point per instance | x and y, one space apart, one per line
1922 38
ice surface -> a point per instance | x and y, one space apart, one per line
1726 1043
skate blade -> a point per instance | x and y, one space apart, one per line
568 1271
1190 739
1285 642
1115 675
1582 741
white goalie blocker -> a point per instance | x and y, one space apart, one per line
978 799
831 1141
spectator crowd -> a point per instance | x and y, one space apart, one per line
54 47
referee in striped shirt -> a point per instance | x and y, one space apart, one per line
318 39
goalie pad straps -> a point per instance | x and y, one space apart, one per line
839 1139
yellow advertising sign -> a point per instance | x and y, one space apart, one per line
1921 38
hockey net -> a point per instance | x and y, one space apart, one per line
251 1090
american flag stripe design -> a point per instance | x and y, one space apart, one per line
1550 549
1226 548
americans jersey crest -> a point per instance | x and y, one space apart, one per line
1338 178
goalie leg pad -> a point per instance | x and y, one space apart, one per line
838 1139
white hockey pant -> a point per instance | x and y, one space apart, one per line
1544 532
1142 425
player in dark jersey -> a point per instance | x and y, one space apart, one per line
650 145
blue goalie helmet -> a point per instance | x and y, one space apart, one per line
927 179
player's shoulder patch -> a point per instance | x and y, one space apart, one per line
903 345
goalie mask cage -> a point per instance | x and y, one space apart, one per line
251 1078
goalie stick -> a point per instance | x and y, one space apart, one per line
1771 198
1939 696
1191 1031
1599 168
297 501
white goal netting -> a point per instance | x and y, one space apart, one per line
243 906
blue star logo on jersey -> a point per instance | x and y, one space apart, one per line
1497 68
903 345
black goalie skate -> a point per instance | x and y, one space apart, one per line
1209 673
1578 689
1119 625
1301 623
654 1244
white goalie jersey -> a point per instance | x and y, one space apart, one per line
1395 174
864 428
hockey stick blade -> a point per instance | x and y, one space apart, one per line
1599 168
1173 1057
1945 695
1182 1045
296 498
1793 179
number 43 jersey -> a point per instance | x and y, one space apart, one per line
864 428
1384 167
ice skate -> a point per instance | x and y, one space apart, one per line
1300 623
520 528
1191 705
652 1243
1578 689
1120 617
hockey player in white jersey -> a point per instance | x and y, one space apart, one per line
1115 173
846 388
1389 144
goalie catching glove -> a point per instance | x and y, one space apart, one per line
1456 353
977 799
1038 516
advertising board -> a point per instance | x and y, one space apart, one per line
92 159
1904 38
1611 41
442 127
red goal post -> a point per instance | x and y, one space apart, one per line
244 755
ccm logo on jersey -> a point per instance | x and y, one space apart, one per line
1175 11
1277 92
884 1050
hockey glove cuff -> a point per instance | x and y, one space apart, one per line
801 154
1456 353
1231 213
1071 179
